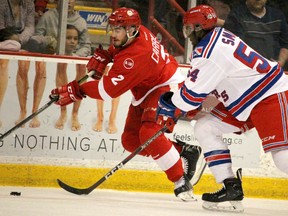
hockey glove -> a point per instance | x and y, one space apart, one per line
67 94
167 114
98 62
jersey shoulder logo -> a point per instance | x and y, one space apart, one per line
128 63
198 51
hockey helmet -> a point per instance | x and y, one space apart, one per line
125 17
198 18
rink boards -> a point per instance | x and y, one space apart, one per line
38 156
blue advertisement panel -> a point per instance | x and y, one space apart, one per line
95 19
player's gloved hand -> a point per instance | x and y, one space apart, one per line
167 114
98 62
67 94
192 113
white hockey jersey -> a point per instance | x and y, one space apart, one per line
223 65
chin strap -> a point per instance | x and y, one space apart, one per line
130 37
133 35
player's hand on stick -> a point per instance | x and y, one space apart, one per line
192 113
167 113
67 94
98 62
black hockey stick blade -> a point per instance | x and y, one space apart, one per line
44 107
85 191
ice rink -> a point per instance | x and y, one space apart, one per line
57 202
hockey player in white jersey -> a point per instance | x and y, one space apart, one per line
253 92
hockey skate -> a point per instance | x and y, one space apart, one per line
227 199
183 189
190 155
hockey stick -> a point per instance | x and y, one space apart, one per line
44 107
85 191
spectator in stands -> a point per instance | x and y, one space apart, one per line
48 26
40 8
72 38
19 15
262 27
280 4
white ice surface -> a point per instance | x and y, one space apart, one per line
57 202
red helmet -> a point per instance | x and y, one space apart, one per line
124 17
199 17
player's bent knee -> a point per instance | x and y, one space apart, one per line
130 142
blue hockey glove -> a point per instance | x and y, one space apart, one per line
167 114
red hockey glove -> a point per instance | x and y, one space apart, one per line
98 62
67 94
167 114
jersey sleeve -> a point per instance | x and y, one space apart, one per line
202 78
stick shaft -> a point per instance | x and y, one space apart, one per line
28 118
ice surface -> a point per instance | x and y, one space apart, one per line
57 202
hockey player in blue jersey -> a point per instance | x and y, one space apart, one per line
253 92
